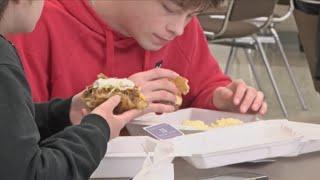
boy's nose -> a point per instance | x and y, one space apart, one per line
176 28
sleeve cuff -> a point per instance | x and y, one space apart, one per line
99 122
61 110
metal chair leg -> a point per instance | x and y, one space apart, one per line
291 75
252 66
230 59
270 74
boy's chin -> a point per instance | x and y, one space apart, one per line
151 46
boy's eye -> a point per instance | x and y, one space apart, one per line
167 8
190 16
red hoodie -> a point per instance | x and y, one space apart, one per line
71 45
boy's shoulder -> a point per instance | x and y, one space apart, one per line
53 4
52 8
8 53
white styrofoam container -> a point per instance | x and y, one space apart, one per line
124 157
248 142
311 136
176 119
216 148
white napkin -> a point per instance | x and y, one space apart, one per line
159 167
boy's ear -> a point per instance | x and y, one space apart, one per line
19 1
16 1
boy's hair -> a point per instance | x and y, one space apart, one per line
200 5
3 6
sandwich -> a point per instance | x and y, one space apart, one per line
131 97
183 88
104 88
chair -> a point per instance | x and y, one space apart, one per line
278 18
307 28
237 23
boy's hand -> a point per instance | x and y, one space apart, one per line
116 122
156 87
77 106
238 97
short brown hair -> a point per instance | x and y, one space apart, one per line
3 6
201 5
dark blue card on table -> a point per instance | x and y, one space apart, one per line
163 131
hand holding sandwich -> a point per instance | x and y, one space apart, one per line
79 109
156 86
115 122
157 90
239 97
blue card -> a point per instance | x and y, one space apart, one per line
163 131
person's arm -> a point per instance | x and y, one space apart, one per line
34 50
53 116
72 153
215 90
204 72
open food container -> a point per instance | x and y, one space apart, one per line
236 144
125 156
177 118
311 136
215 148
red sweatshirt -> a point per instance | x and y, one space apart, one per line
71 45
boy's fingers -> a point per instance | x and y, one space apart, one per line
110 104
239 93
257 103
248 99
160 108
158 73
159 84
84 112
263 109
127 116
160 96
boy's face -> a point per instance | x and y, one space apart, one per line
21 15
153 23
27 13
35 9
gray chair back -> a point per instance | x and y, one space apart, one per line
284 2
250 9
241 10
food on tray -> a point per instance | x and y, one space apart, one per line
196 124
183 87
200 125
226 122
103 88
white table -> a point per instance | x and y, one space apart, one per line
304 167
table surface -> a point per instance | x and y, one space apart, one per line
302 167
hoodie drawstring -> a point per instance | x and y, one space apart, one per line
110 57
112 40
146 62
108 69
